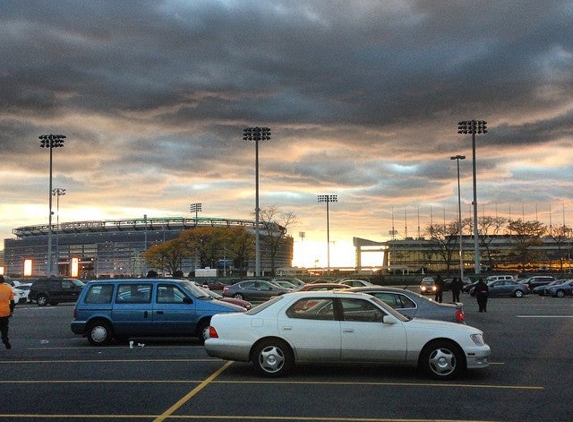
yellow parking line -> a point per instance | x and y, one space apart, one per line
188 396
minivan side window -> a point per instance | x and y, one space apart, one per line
134 293
168 293
99 294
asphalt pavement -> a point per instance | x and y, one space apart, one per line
51 374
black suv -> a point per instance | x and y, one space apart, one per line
54 290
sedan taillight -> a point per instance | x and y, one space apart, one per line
213 332
460 316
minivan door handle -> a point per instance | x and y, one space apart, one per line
144 314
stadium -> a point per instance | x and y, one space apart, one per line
114 248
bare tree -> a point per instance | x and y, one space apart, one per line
444 241
561 235
526 236
275 224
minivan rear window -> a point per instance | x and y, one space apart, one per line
99 293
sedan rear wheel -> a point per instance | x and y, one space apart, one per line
273 358
560 293
518 293
238 296
442 360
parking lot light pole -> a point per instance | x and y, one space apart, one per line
51 142
328 199
458 158
57 192
474 127
257 134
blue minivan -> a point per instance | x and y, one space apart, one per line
123 308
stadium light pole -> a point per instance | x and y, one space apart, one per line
458 158
474 127
328 199
196 208
257 134
57 192
51 142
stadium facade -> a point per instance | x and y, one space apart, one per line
114 248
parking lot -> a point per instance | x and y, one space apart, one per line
51 374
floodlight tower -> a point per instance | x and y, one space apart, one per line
474 127
257 134
328 199
51 142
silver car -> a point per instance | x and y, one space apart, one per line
414 305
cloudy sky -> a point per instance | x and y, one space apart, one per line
362 97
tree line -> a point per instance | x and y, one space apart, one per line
210 244
525 238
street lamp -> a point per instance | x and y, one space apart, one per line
458 158
57 192
196 208
328 199
257 134
473 127
51 142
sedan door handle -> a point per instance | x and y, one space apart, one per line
160 312
348 330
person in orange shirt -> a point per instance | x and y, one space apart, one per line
6 309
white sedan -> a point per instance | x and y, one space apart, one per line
335 326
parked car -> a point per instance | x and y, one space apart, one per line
23 292
123 308
19 295
561 290
338 326
322 287
285 284
238 302
254 290
292 280
536 281
414 305
54 290
542 290
505 288
499 277
427 286
466 281
356 283
213 284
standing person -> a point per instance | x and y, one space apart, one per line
482 293
439 289
456 289
6 308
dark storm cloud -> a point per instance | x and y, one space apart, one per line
363 98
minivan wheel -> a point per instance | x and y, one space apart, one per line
203 331
42 300
99 333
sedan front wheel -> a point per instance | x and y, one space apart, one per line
442 360
273 358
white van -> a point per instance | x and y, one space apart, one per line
492 278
